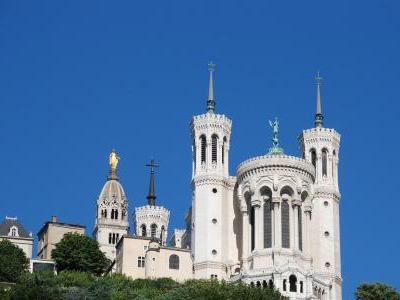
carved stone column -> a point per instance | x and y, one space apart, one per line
296 204
257 218
307 242
245 237
277 222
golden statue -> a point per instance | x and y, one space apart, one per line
113 160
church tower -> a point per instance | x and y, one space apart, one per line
320 146
152 220
111 212
213 246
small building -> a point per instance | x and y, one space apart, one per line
51 233
11 229
146 257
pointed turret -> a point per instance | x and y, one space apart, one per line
151 197
319 118
210 101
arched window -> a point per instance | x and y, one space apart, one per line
293 283
301 286
174 262
223 150
267 195
14 232
117 238
105 213
333 163
270 284
153 230
116 214
113 238
253 231
285 224
314 158
162 234
324 162
214 146
112 214
300 229
141 262
258 284
284 285
203 145
143 230
110 238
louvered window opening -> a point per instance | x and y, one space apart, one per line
214 148
285 225
267 225
203 149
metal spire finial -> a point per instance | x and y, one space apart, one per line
151 197
319 118
210 101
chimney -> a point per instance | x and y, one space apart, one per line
54 219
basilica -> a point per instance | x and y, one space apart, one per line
273 223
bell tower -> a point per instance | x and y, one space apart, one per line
111 212
320 146
212 192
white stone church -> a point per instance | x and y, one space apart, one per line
274 223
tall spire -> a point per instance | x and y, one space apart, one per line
319 118
151 197
210 101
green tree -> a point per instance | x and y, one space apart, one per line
376 291
214 290
76 252
13 262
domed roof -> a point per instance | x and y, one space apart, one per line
113 190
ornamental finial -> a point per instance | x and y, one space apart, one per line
275 149
210 101
319 118
113 162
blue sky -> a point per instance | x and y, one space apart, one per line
78 78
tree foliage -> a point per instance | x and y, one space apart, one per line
13 262
72 285
376 291
76 252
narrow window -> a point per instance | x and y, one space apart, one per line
314 158
214 144
153 230
162 234
223 150
117 238
174 262
293 282
203 148
300 229
270 284
252 229
109 238
333 163
324 162
141 262
116 214
284 285
112 214
113 238
105 213
301 286
143 228
285 225
267 224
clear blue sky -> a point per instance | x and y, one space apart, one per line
78 78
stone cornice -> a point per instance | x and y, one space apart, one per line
272 164
227 182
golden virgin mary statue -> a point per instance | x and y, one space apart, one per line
113 161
